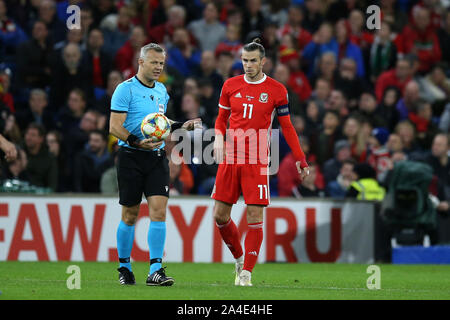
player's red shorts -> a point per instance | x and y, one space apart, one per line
250 179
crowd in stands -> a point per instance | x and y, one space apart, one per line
357 96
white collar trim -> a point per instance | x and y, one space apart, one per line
256 82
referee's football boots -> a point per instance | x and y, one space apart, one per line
159 278
126 277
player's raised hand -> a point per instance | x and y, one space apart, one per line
302 172
192 124
149 144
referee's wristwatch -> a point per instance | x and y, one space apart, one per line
133 140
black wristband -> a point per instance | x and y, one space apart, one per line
132 140
175 126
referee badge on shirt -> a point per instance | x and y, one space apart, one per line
263 97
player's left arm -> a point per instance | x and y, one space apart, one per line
291 137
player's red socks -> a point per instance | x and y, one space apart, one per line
231 237
252 243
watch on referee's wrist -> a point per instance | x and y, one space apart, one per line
133 140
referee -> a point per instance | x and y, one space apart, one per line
142 164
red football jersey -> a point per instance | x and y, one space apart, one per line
253 106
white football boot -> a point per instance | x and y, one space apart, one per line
245 278
238 269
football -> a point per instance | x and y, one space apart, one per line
155 126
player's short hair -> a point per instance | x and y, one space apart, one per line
255 45
151 46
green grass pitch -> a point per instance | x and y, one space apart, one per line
204 281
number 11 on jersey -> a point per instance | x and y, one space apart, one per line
250 110
261 193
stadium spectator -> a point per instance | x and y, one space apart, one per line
338 102
6 96
225 61
393 15
397 77
417 37
352 133
34 58
439 160
367 107
377 154
42 166
326 68
232 43
444 37
358 35
116 30
54 143
183 56
410 100
421 118
321 92
313 16
322 143
208 71
104 103
444 122
72 36
47 14
86 21
101 10
338 187
282 75
70 115
69 73
331 167
208 99
435 86
383 52
387 108
294 27
252 20
346 49
313 118
321 43
98 61
127 56
191 109
163 32
308 187
11 35
348 82
365 186
92 162
339 10
298 82
394 143
37 111
208 31
405 129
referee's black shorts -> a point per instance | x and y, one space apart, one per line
140 172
